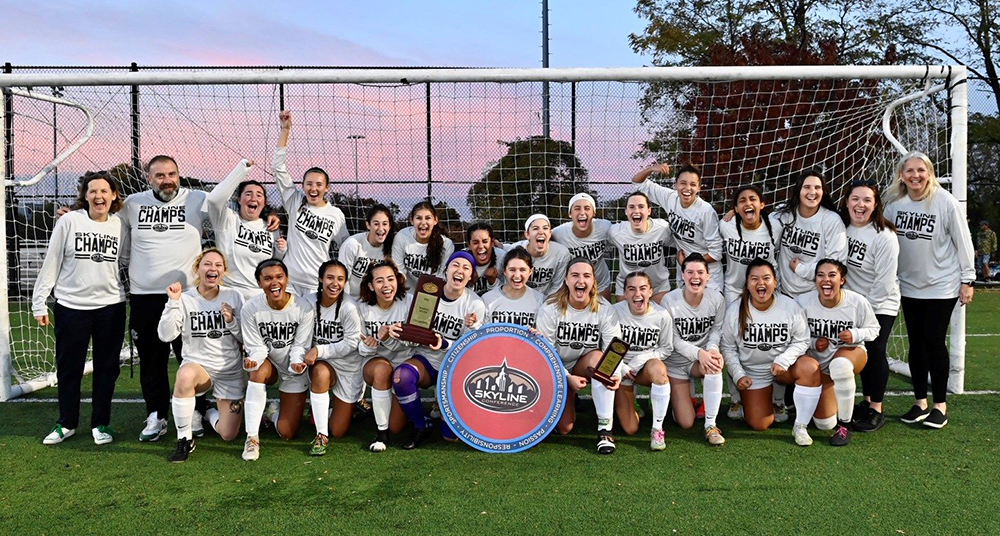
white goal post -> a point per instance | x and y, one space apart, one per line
389 105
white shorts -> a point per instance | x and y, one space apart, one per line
679 367
289 382
627 382
350 382
760 379
225 385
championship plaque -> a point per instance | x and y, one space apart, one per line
419 323
609 362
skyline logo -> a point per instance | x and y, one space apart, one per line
502 389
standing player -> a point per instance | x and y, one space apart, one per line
640 242
489 259
514 302
243 237
81 270
422 248
840 322
548 259
647 329
581 325
698 314
206 316
333 359
459 311
694 224
764 340
384 307
586 236
277 331
361 251
935 271
315 227
873 256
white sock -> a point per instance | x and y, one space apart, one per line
659 398
844 387
275 414
734 393
712 383
604 404
320 403
183 414
806 399
778 394
213 418
381 406
253 407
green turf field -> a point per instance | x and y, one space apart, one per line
900 480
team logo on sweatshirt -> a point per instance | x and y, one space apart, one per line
277 334
745 251
360 266
521 318
161 218
680 227
692 329
828 329
915 225
640 338
541 276
765 337
207 324
856 251
643 255
327 331
314 226
501 389
801 241
255 241
578 336
95 247
591 252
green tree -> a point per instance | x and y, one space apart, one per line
537 174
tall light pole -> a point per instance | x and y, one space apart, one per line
356 138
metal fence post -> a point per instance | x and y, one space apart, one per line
136 164
430 194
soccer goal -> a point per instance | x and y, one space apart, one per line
485 144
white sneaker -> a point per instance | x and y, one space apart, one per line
251 449
102 435
155 428
657 440
58 435
801 435
735 411
271 413
780 413
435 411
197 425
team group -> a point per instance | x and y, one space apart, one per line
808 297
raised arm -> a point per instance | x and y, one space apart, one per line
218 199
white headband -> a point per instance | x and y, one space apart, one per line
532 218
582 197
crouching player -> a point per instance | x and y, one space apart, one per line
277 331
207 317
647 328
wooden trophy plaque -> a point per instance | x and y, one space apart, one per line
419 323
613 356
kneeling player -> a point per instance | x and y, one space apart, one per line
697 313
277 331
206 316
647 329
333 360
839 321
764 340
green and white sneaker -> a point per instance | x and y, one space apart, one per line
102 435
801 435
155 428
319 445
58 435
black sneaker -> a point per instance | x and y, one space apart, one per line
184 448
860 411
362 409
841 435
381 441
605 442
936 419
417 437
873 421
915 415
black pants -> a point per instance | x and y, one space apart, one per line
75 330
154 354
876 372
927 328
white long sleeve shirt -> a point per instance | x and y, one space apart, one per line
521 311
873 261
411 256
548 271
853 314
696 328
820 236
935 246
778 335
208 339
482 285
165 238
357 254
695 229
373 318
642 251
283 336
578 331
742 246
593 247
313 232
244 243
649 336
81 264
336 335
449 322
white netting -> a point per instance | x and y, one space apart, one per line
457 142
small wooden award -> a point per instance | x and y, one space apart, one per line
609 362
419 323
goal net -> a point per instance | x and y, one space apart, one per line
494 145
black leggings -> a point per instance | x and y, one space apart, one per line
876 372
927 328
